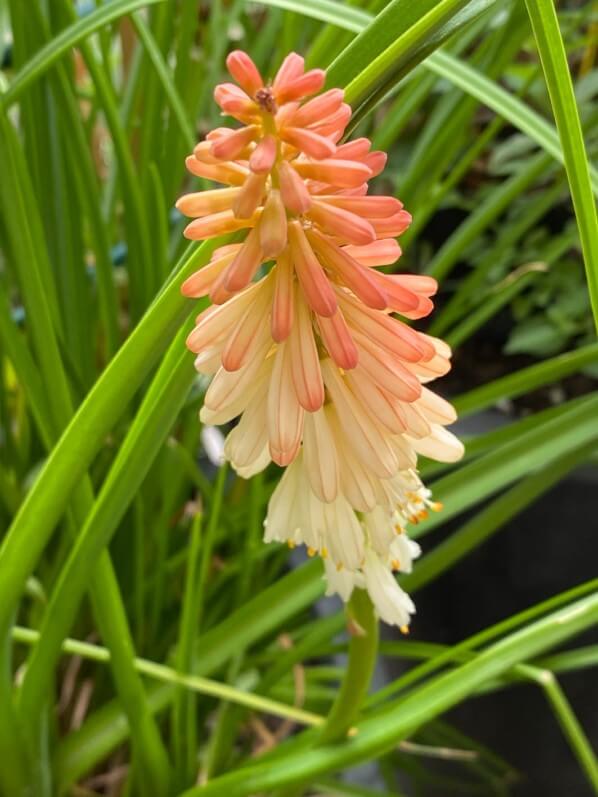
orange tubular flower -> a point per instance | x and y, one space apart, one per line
300 338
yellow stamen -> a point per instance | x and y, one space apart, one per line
404 629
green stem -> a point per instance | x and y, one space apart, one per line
363 649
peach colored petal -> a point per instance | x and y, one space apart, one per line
235 102
400 298
200 283
203 150
358 278
304 359
429 370
285 414
389 333
437 409
204 203
383 252
291 68
216 224
423 309
216 323
313 144
362 432
231 391
283 304
386 371
228 173
285 114
208 361
246 263
335 124
341 223
315 285
293 190
302 86
246 442
404 452
317 109
370 207
250 333
417 425
383 406
229 147
354 150
340 173
338 341
393 225
226 249
250 196
244 71
357 482
376 162
440 445
418 283
319 455
263 156
273 225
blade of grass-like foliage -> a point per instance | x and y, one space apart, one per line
400 21
492 518
82 167
65 40
184 708
501 102
139 252
355 19
14 346
536 448
560 88
260 616
500 296
526 379
450 68
495 203
461 651
571 660
412 38
440 143
168 86
383 731
178 678
102 407
152 424
28 245
184 732
566 718
469 288
474 446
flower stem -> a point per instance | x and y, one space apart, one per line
363 649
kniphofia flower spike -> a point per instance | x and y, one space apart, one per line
301 339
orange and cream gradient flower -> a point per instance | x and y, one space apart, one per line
301 339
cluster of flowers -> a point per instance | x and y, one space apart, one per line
300 337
